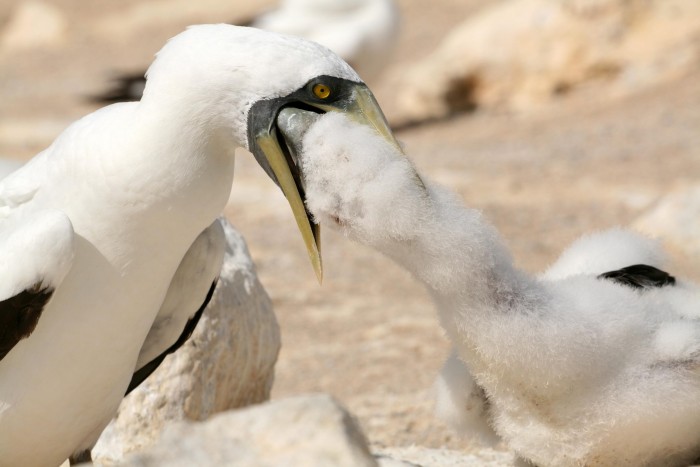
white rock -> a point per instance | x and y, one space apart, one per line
227 363
33 24
309 431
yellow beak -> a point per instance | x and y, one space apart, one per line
310 231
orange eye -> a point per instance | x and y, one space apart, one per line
321 91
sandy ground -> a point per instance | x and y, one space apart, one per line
370 335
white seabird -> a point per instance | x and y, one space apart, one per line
362 32
93 229
596 362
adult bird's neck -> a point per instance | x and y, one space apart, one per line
164 180
196 156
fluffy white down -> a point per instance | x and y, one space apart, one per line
599 252
375 173
461 403
575 370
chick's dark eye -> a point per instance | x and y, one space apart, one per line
321 91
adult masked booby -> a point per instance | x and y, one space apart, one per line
94 228
595 362
362 32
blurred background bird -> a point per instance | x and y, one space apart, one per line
362 32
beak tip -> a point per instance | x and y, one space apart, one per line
317 265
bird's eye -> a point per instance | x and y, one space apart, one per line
321 91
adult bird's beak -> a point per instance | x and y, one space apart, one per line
288 179
277 155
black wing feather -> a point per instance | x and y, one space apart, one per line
640 276
145 371
20 314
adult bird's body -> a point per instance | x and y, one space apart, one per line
361 32
93 229
596 362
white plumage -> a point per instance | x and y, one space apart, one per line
40 246
97 225
191 282
605 251
569 368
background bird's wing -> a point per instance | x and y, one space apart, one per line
640 276
124 88
191 289
36 252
